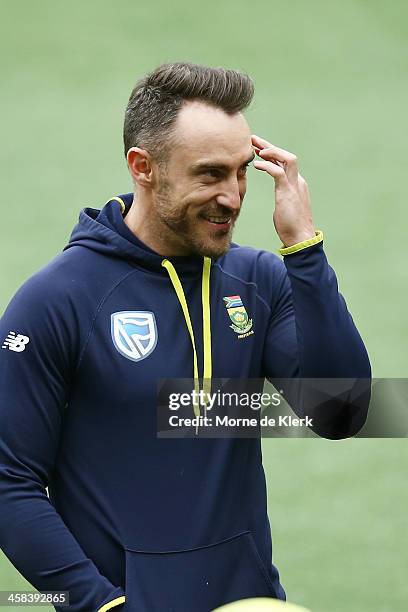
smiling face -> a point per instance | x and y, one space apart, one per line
200 189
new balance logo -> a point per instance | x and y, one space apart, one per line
15 342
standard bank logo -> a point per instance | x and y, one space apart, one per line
15 342
134 333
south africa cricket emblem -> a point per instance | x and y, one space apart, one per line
241 323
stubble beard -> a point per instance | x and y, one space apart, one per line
181 230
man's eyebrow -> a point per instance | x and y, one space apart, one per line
205 164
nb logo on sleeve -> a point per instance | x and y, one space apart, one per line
15 342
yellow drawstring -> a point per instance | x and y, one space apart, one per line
206 324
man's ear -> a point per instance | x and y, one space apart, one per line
140 166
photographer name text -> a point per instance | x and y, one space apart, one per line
227 421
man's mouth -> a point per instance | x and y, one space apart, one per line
220 225
218 220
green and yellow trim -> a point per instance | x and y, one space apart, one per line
112 604
301 245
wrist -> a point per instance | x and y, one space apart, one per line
301 236
304 244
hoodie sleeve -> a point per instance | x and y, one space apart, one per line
312 336
37 347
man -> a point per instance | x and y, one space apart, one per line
142 292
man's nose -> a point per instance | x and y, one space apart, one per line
231 197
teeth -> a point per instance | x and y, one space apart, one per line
219 219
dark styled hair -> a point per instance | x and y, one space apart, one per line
157 98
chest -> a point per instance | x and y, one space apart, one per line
140 335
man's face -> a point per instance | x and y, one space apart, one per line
201 188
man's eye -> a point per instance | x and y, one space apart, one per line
213 172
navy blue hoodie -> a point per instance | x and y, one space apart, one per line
132 521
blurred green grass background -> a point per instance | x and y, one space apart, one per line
331 87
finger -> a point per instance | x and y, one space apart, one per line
274 170
275 161
280 154
271 152
259 142
256 149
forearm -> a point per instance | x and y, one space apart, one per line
329 348
328 342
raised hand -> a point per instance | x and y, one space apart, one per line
292 216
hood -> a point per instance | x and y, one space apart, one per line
105 231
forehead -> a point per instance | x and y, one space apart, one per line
207 132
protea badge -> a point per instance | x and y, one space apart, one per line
134 333
241 323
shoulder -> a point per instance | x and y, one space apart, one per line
73 277
61 299
261 269
55 307
252 265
